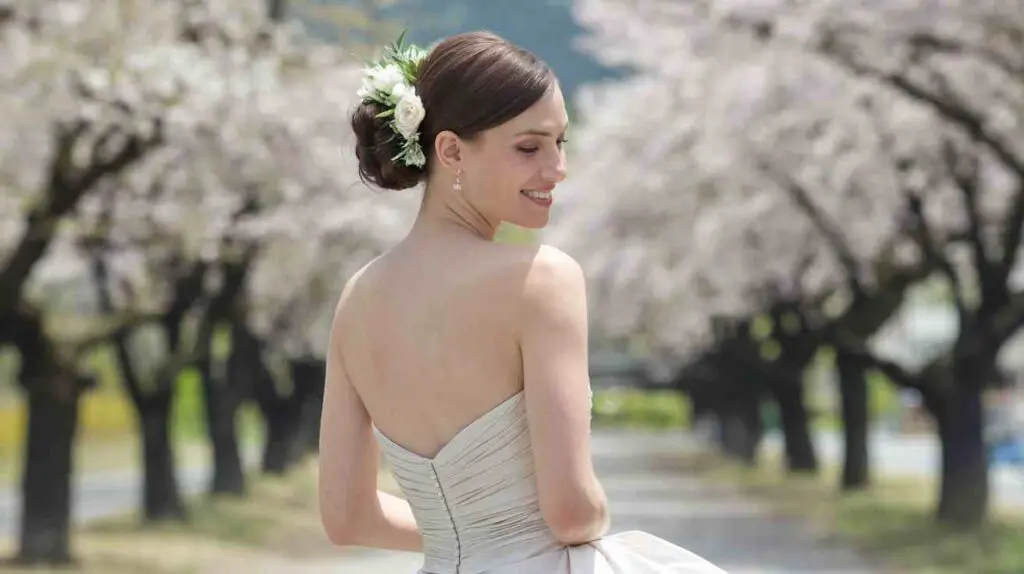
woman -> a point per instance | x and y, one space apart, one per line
465 360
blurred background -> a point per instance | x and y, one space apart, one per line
801 223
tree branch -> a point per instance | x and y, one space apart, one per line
927 40
957 115
1013 234
963 168
822 222
933 251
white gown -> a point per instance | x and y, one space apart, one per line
477 508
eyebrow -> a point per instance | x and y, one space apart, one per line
536 132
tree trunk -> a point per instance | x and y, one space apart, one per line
289 424
853 393
963 495
316 406
282 433
800 455
228 473
46 483
309 374
160 494
222 401
741 428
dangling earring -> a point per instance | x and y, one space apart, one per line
457 186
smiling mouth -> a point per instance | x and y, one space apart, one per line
538 197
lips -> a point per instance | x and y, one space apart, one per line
544 195
540 197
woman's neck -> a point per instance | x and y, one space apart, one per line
445 211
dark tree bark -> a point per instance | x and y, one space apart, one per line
287 417
224 389
54 391
799 448
222 401
277 9
741 429
46 483
964 485
161 497
309 374
853 393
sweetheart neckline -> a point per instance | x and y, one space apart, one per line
462 431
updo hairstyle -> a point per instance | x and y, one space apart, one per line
468 83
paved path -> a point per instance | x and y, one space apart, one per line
648 490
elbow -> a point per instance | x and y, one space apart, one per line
580 523
341 528
339 532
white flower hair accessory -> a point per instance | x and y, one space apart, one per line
389 82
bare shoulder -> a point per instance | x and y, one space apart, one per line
553 269
350 293
549 280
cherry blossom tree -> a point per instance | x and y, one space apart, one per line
153 141
849 115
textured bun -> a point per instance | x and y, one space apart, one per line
376 144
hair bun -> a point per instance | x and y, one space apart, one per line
376 145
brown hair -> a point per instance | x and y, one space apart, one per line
468 83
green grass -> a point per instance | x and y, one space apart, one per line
891 521
632 408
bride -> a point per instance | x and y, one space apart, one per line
462 359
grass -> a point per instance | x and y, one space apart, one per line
632 408
272 529
891 521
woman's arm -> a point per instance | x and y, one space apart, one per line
553 343
352 510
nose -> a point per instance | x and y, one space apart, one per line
556 171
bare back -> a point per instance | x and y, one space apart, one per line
431 336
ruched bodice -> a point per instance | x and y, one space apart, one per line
476 500
477 508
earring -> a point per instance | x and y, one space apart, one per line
457 186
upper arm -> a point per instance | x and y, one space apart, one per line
553 343
349 456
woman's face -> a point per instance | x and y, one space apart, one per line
510 171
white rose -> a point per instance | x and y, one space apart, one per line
399 91
384 79
408 114
366 89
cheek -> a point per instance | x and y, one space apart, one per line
512 170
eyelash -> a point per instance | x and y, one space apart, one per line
533 150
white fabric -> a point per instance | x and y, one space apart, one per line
477 508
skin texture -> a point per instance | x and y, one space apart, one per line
448 324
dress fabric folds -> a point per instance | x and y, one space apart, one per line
477 508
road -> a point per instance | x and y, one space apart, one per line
103 494
98 495
913 455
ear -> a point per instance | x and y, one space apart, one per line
448 150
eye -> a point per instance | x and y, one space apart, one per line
528 150
561 142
